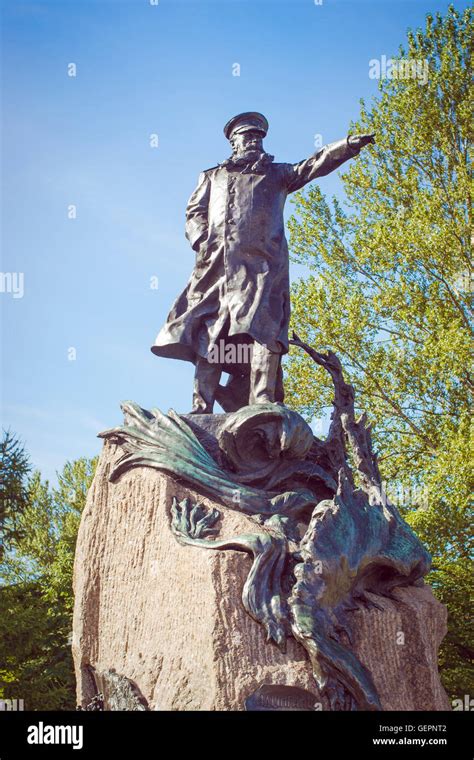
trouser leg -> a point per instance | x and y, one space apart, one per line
206 380
263 374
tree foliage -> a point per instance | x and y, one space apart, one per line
14 469
390 291
36 600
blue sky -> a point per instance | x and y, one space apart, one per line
144 69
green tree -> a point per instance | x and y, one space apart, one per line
14 470
390 291
36 600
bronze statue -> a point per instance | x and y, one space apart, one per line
329 541
234 313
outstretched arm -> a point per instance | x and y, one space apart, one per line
197 212
325 161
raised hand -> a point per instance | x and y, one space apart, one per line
359 141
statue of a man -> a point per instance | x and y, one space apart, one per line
234 313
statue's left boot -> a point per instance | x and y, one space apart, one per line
263 375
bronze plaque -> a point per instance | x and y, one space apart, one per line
280 698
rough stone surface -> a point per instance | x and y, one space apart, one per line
170 617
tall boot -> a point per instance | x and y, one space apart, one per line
263 374
206 380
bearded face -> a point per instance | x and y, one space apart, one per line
247 144
248 156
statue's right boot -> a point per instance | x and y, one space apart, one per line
206 381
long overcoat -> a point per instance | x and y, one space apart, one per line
239 288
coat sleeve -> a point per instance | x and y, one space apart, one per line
323 162
197 212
